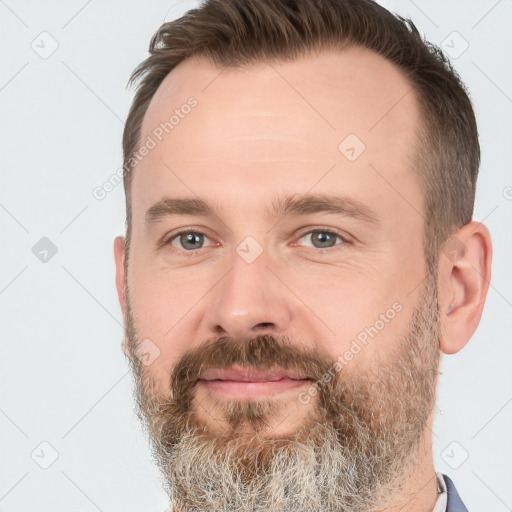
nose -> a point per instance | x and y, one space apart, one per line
249 301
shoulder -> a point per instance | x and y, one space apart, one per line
454 502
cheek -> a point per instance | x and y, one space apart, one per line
165 305
163 296
356 314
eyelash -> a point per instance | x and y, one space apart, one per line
192 253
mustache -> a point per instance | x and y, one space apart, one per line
340 401
263 352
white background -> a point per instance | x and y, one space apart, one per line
63 377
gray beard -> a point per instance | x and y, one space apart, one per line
352 453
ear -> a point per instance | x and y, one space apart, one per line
464 274
119 255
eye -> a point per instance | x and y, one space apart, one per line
188 240
322 238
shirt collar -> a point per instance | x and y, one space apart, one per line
442 494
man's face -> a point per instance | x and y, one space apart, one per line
241 310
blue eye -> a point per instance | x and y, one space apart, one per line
188 240
322 238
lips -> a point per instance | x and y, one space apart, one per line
250 383
249 375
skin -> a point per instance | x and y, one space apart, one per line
279 137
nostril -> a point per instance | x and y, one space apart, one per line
220 330
265 324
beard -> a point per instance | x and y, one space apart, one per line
356 444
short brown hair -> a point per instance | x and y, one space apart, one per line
231 33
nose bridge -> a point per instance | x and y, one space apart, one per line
249 300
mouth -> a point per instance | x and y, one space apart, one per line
250 382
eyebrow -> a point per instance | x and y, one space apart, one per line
323 203
280 207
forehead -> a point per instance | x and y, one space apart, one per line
282 125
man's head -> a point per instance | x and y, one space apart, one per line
299 250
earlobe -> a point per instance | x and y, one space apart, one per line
119 256
464 273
